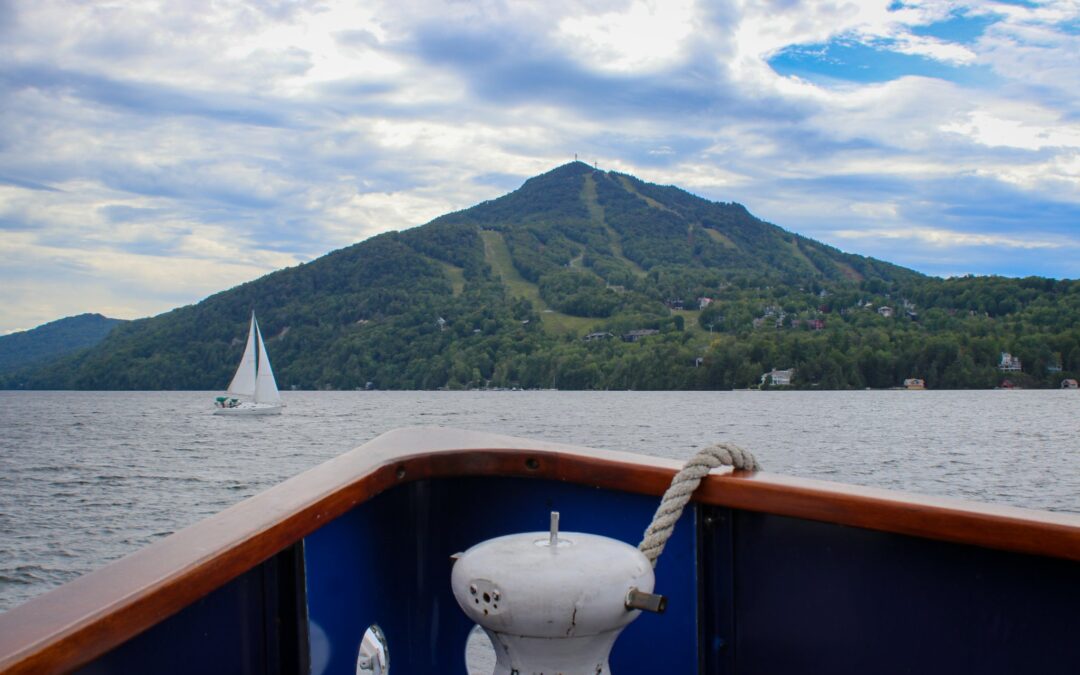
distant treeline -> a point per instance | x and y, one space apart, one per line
951 333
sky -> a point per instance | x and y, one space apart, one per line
154 153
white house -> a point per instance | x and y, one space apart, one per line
1009 363
778 378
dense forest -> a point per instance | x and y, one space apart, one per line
585 279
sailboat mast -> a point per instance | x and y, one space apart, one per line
258 344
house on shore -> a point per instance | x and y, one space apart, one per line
1070 383
1009 363
914 383
778 378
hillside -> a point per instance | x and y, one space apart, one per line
53 339
591 279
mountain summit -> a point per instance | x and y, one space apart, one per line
622 226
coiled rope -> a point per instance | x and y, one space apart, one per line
683 485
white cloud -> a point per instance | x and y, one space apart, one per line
1060 176
1025 133
646 35
942 238
878 211
39 278
939 50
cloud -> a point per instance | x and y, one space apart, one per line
167 141
141 98
940 238
28 184
951 253
642 37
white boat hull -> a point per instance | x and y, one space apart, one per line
250 409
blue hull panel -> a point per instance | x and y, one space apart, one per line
817 597
254 625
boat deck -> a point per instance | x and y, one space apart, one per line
765 574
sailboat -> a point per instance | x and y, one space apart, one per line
253 390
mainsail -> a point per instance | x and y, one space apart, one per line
243 382
266 390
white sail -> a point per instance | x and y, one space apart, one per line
266 390
243 382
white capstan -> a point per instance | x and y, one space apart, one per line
551 602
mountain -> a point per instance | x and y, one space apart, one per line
591 279
54 339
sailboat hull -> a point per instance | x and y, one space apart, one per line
250 409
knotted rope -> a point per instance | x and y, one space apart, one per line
683 485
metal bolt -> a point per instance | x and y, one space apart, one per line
650 602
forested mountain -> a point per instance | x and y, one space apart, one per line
591 279
53 339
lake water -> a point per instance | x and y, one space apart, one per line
87 477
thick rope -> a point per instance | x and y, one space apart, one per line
683 485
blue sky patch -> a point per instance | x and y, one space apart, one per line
845 59
1020 3
1072 27
958 28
